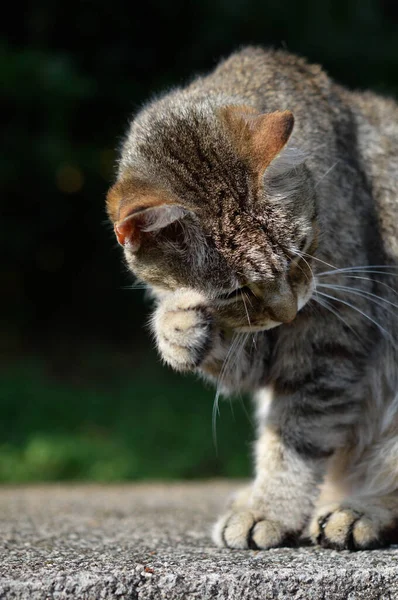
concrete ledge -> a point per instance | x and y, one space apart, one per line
150 542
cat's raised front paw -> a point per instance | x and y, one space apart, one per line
183 325
249 529
344 527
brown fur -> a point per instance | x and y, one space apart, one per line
259 138
132 196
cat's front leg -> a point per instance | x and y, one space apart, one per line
358 505
356 523
311 414
274 512
190 337
185 329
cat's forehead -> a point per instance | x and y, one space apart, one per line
203 152
178 146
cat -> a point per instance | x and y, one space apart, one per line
259 204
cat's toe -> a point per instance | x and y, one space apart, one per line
248 529
345 528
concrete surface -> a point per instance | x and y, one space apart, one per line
147 542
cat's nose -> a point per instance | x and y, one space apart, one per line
283 305
285 312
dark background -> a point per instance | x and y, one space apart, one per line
82 395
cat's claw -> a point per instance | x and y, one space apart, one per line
249 529
183 326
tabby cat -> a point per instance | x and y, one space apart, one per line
259 204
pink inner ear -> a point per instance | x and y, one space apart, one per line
128 234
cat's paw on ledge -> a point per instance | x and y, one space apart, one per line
352 527
249 529
183 325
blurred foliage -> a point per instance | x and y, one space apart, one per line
126 430
73 73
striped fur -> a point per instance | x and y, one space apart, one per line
273 261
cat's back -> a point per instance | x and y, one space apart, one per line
265 77
376 120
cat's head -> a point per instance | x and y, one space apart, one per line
213 198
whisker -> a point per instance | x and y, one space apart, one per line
134 287
234 343
327 173
254 339
319 260
328 307
216 407
358 292
215 414
248 298
246 411
372 280
231 359
359 311
304 273
366 268
216 410
301 255
231 406
247 314
245 305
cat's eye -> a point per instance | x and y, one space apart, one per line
235 294
303 244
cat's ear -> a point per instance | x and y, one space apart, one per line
131 231
259 138
137 211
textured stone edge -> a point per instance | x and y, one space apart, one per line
338 584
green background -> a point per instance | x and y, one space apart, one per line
82 395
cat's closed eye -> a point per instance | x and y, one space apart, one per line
236 294
303 244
